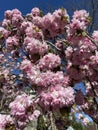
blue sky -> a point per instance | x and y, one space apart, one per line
25 6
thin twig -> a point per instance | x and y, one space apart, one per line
53 126
95 101
53 45
91 39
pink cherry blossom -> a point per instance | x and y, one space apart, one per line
5 121
57 98
49 61
35 11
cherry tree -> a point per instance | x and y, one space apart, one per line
42 57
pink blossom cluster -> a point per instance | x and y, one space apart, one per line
81 16
95 36
4 74
12 18
26 66
50 78
59 44
80 19
82 62
1 58
33 31
6 121
51 24
77 62
82 59
33 66
23 110
34 46
57 97
4 33
36 12
79 23
35 115
44 79
32 71
34 76
56 82
12 43
20 106
49 61
54 24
